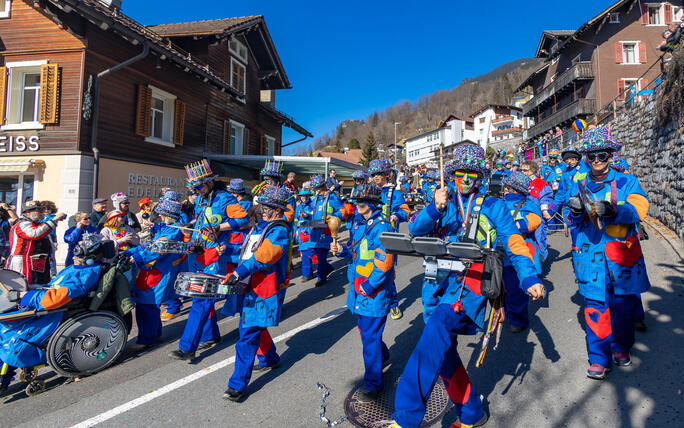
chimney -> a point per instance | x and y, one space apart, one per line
112 4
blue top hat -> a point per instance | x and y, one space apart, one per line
377 166
469 157
433 174
359 174
169 207
236 185
199 173
317 181
272 169
367 193
518 181
599 140
275 197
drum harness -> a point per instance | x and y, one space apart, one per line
262 236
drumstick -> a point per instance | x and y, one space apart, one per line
184 228
441 166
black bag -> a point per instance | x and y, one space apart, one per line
492 275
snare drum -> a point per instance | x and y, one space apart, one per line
192 284
168 246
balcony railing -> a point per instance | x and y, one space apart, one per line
502 119
579 71
516 130
581 107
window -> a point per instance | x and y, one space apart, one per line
270 145
237 75
238 49
629 53
237 137
5 8
23 95
15 190
654 15
161 117
614 18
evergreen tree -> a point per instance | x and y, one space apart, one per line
338 146
370 150
354 144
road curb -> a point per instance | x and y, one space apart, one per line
668 236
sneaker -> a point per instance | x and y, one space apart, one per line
516 328
367 396
483 420
640 325
233 394
321 282
209 344
305 279
597 371
258 368
395 313
139 347
165 316
180 354
622 359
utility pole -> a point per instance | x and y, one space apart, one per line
395 143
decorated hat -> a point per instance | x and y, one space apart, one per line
236 185
516 163
368 193
272 169
31 205
199 173
359 174
570 152
170 205
378 166
469 157
143 202
275 197
433 174
403 179
317 181
114 214
598 139
499 162
118 198
306 189
518 181
172 195
553 153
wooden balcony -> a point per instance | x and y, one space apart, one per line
581 107
517 130
563 83
503 119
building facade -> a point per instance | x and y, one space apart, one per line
424 148
499 126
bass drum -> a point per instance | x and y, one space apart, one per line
87 343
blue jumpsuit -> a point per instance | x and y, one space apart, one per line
321 238
459 308
609 264
542 195
307 250
396 206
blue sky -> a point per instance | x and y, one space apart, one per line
347 59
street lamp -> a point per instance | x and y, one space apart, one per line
395 143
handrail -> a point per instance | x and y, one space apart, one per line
582 105
577 71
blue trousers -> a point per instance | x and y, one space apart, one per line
435 355
201 325
307 262
516 300
374 349
173 306
149 324
252 339
324 268
610 326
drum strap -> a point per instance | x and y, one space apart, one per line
271 225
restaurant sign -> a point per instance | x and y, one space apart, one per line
19 143
147 185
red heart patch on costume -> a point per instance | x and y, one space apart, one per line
303 237
530 246
601 327
147 278
625 253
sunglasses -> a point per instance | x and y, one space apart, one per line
378 174
601 156
461 174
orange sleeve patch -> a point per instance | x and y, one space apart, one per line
55 297
533 221
517 245
405 207
268 253
289 214
183 258
235 211
384 261
639 203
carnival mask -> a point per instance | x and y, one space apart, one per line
466 181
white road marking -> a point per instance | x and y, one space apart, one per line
193 377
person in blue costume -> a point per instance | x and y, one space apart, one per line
394 209
325 205
404 184
266 271
542 195
500 169
74 234
555 170
605 208
272 175
515 165
527 217
22 341
619 164
572 160
430 185
236 187
303 214
360 177
158 271
371 284
460 307
217 214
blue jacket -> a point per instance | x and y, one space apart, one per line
611 257
495 220
158 272
303 212
73 236
528 219
371 272
268 272
396 206
542 195
552 175
20 341
321 238
428 189
237 236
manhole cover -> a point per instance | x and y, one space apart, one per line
378 414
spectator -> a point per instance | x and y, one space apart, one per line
115 229
74 235
188 210
98 212
289 184
121 203
331 183
49 211
144 218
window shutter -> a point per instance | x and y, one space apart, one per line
3 93
618 53
644 14
178 122
143 115
262 145
642 52
668 13
49 90
621 89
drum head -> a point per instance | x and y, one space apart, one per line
87 343
12 280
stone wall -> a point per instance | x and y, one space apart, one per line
656 157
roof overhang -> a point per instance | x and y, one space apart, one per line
285 120
247 167
529 79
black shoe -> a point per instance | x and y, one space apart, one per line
209 344
305 279
483 420
516 328
233 394
180 354
640 325
367 396
320 282
258 368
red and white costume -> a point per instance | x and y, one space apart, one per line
30 250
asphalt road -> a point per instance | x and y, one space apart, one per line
534 378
